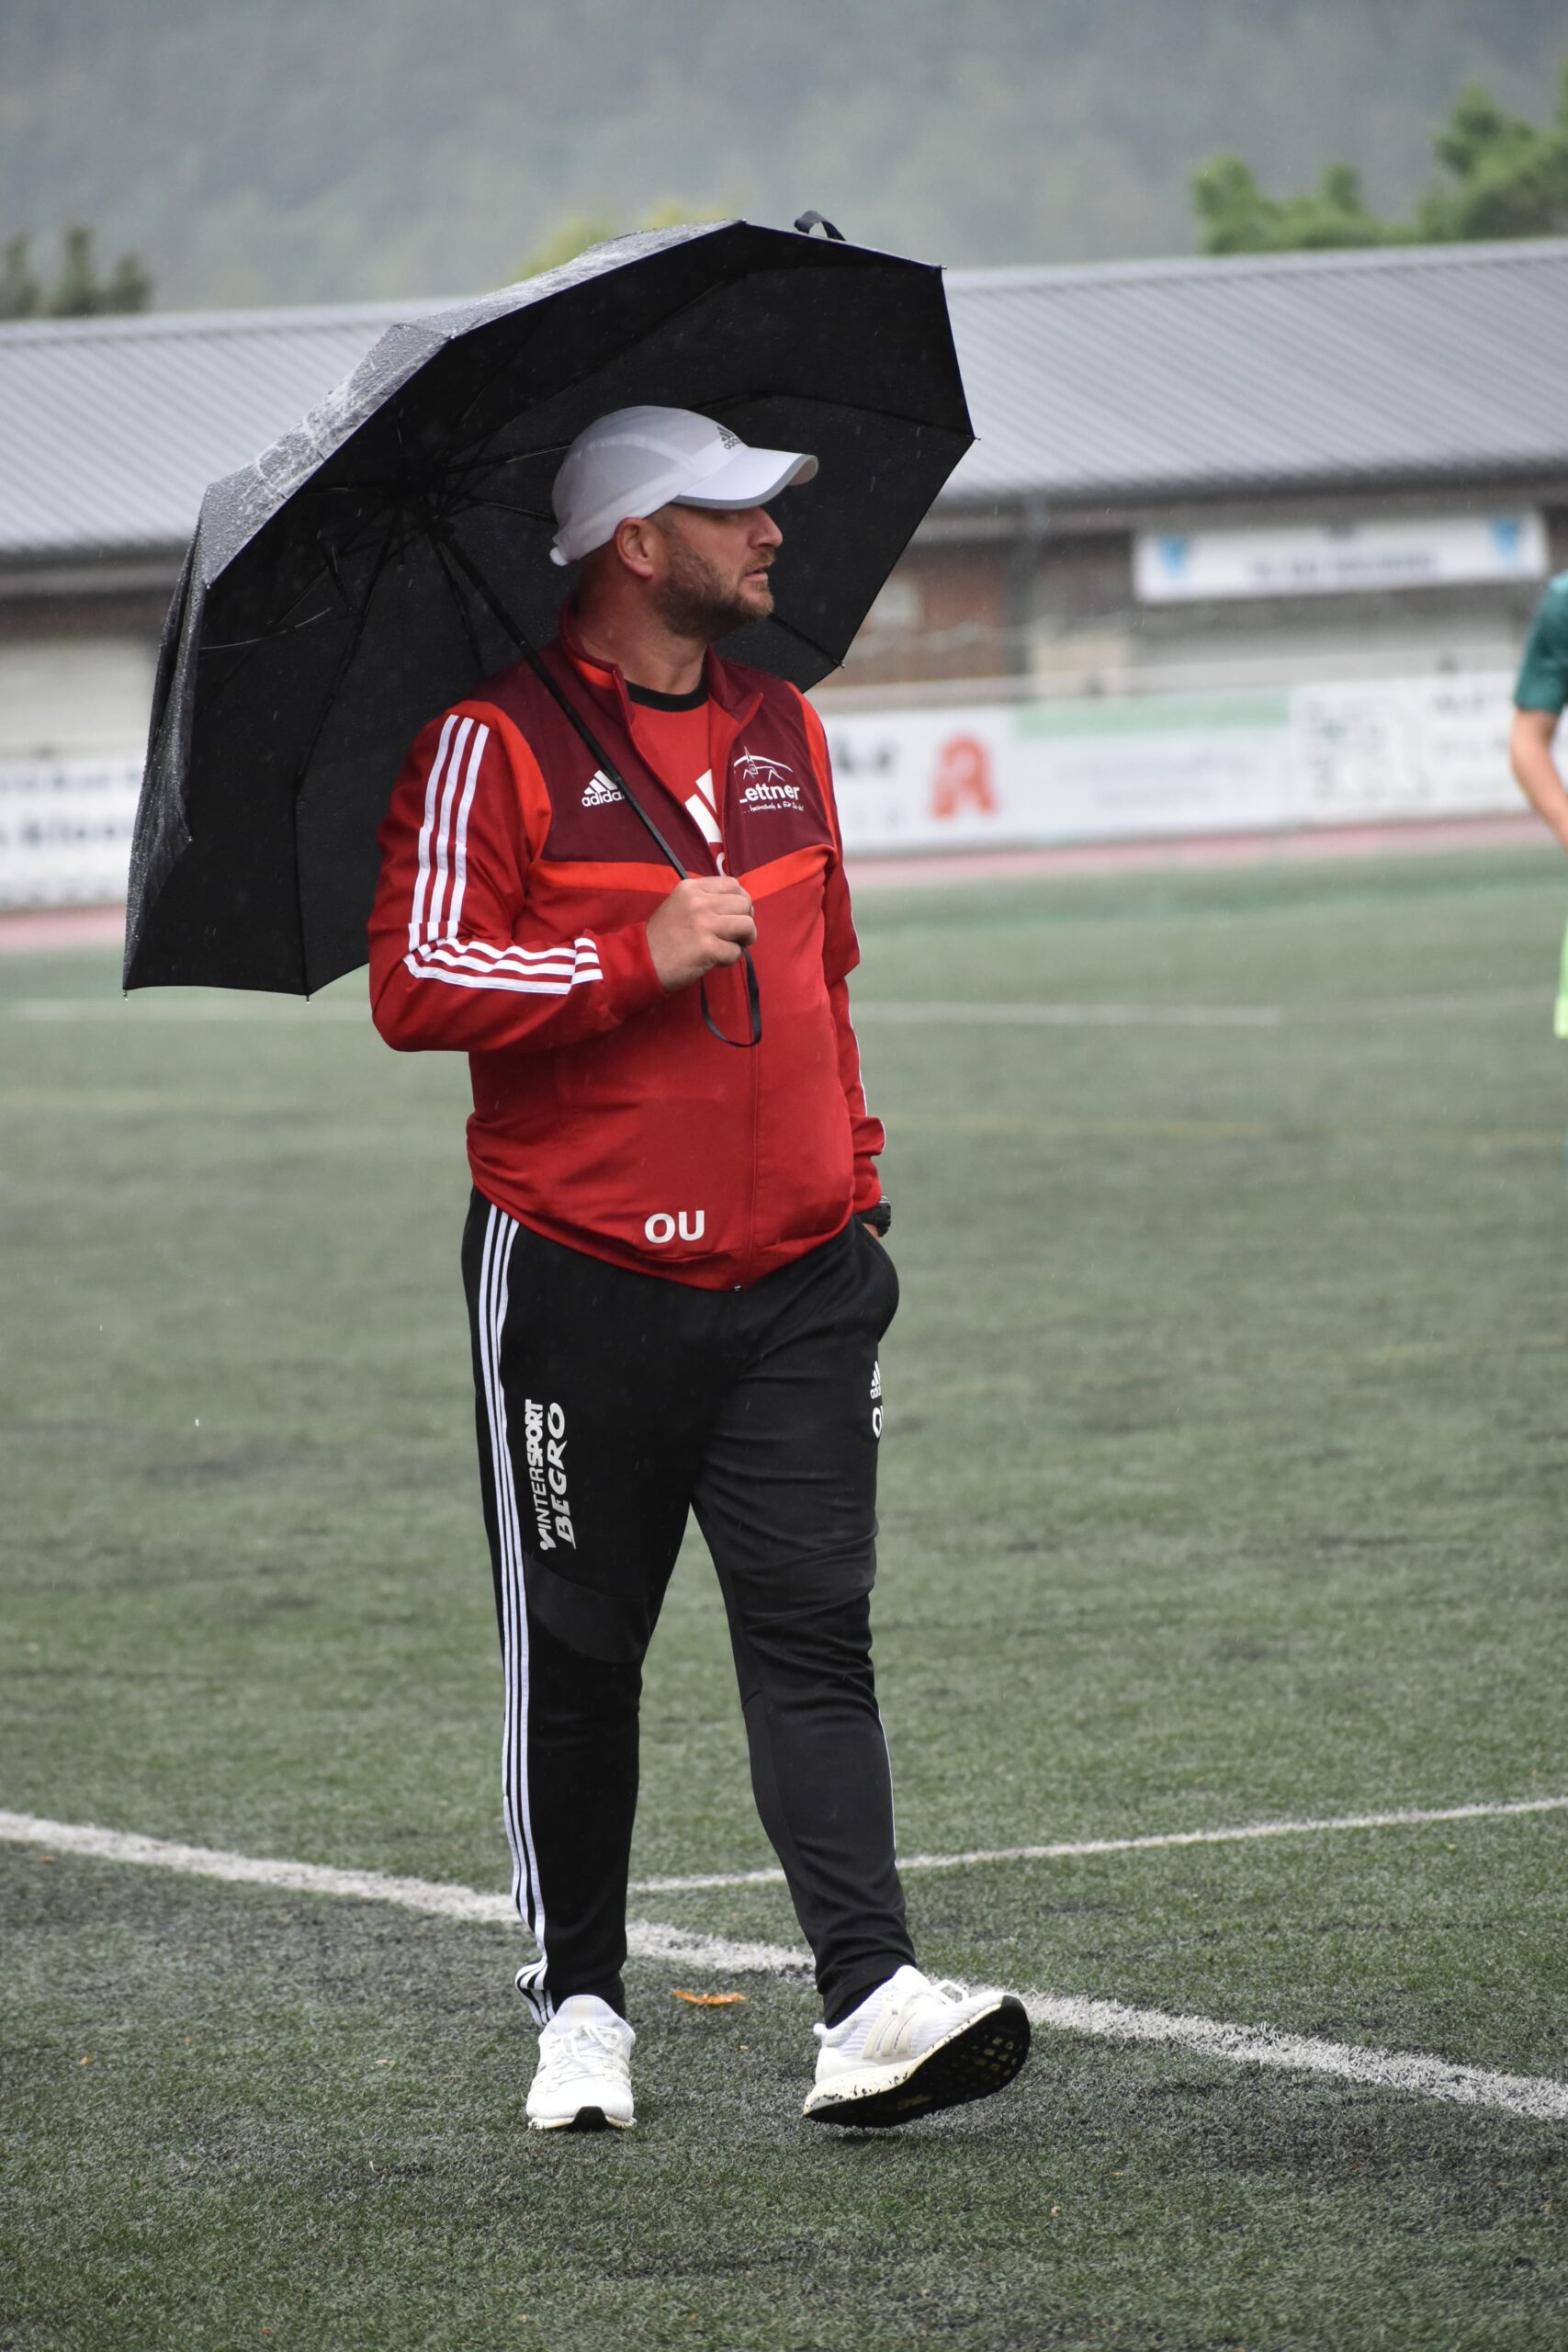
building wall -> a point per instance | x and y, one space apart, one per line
63 694
1052 609
944 615
75 692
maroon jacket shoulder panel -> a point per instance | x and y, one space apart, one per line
771 799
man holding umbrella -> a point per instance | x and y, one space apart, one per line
676 1280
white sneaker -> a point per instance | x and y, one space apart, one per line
913 2046
584 2078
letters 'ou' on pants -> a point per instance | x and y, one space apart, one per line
610 1404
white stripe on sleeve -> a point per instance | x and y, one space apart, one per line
431 792
460 851
437 951
517 971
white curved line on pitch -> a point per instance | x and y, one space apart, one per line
1049 1014
648 1940
1537 2097
1071 1849
1069 1014
466 1903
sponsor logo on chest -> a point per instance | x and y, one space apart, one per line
765 784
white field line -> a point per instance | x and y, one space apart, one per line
1536 2095
1374 1008
220 1005
1070 1850
1075 1016
1062 1014
217 1005
648 1939
1533 2096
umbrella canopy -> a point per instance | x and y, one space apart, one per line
350 584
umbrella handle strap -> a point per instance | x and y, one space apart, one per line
547 679
537 663
753 1007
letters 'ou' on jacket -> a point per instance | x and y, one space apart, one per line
511 923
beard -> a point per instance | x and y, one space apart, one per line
697 601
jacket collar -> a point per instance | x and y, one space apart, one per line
737 700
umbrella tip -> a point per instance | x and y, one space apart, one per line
809 221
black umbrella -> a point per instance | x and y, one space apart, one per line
375 563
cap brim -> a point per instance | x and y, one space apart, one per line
748 478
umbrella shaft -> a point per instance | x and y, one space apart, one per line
546 678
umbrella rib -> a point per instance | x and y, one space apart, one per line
281 626
271 635
504 506
459 602
350 649
856 408
247 644
302 766
520 456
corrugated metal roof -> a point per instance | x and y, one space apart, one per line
1304 371
110 429
1102 384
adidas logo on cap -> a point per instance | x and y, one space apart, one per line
599 792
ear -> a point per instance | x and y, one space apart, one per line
639 543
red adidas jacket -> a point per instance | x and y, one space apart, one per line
511 923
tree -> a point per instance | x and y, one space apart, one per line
1506 178
1238 218
78 292
578 230
20 293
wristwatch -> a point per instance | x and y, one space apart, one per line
879 1218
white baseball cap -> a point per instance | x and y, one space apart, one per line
637 459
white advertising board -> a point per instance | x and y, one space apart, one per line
1122 768
1338 558
1059 772
1001 775
1412 747
66 827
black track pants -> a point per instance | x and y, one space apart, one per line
609 1405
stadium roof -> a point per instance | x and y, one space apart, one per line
1109 384
1300 371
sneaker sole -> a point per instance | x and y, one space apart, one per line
587 2118
981 2057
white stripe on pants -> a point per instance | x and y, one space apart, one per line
501 1232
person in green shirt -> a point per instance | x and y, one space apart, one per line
1538 700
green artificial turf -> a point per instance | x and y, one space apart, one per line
1223 1480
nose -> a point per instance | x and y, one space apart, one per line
765 532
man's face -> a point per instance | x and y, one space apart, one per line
714 577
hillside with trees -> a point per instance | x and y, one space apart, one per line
1500 176
381 148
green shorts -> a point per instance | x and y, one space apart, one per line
1560 1019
